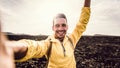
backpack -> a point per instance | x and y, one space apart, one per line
49 50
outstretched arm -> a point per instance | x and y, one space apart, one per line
18 50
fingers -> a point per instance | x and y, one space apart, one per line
6 53
2 39
87 3
2 48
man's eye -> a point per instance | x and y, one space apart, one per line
57 25
63 25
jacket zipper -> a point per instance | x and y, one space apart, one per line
63 49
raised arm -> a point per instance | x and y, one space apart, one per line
82 23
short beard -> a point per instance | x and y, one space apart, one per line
60 38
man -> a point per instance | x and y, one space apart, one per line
62 51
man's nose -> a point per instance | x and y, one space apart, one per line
61 28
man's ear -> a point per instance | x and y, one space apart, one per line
67 27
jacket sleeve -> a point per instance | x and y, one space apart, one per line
36 49
81 25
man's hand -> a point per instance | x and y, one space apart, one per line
6 53
87 3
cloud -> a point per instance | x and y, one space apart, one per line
105 14
105 10
105 18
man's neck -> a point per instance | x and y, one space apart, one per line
60 39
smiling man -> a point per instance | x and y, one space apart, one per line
58 48
60 26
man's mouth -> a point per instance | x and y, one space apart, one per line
61 32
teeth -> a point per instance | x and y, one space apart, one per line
61 32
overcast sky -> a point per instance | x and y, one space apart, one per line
35 16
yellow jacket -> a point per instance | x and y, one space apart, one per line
59 58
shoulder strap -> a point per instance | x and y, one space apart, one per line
49 52
70 41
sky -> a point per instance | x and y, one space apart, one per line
35 16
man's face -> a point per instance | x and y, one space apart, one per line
60 27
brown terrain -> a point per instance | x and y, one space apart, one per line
99 51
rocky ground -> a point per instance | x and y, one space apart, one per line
91 52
